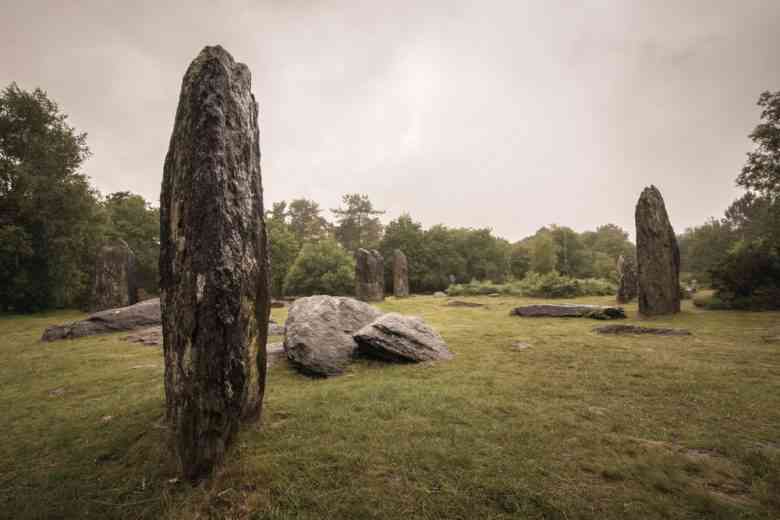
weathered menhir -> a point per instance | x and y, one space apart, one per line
116 277
369 275
213 262
658 256
627 282
400 274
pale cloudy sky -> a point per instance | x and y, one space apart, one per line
507 114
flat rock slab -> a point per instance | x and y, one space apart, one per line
151 336
133 317
318 333
274 329
458 303
635 329
398 338
564 310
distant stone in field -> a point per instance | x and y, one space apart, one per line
213 262
275 353
400 274
369 275
520 345
116 277
459 303
627 279
274 329
567 310
138 316
397 338
318 332
440 294
635 329
658 256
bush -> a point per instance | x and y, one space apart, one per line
749 278
321 267
549 285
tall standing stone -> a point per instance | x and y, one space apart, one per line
658 256
213 262
116 277
400 274
369 276
627 283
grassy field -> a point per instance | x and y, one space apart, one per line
578 426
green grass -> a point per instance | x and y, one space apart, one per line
578 426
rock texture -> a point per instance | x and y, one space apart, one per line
459 303
213 262
398 338
116 277
318 332
634 329
369 276
400 274
138 316
627 282
658 257
565 310
150 337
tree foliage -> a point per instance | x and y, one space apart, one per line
357 223
50 218
321 267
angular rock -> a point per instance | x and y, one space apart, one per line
567 310
213 262
400 274
658 256
627 282
634 329
397 338
132 317
369 276
116 281
318 332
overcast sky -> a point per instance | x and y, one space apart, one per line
511 114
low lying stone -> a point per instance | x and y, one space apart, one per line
318 332
278 304
138 316
398 338
635 329
151 336
458 303
567 310
440 294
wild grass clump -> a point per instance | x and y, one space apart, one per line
535 285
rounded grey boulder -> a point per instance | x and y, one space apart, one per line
318 332
398 338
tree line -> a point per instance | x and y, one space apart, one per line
739 253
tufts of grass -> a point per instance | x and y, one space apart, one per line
578 425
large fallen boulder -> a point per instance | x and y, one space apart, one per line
318 332
398 338
635 329
141 315
569 310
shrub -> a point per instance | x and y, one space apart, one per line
321 267
548 285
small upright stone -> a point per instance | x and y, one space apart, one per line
116 279
213 263
400 274
626 268
658 256
369 276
